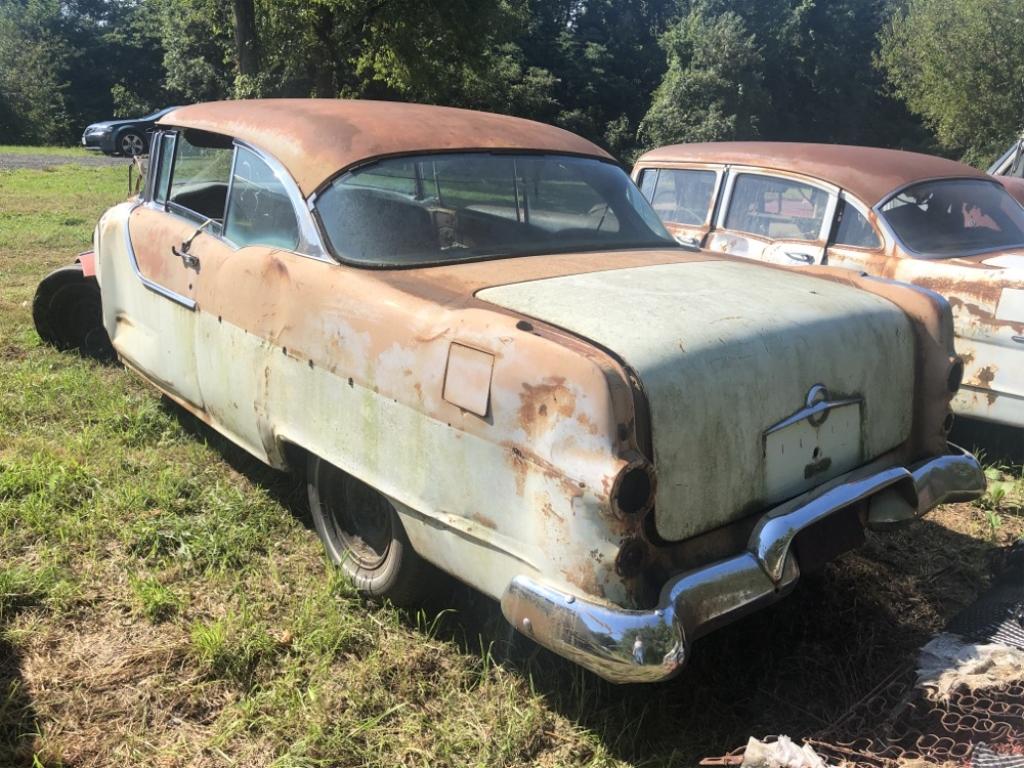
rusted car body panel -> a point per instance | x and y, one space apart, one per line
982 289
506 422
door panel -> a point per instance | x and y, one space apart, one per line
233 363
777 219
154 332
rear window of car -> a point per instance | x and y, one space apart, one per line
955 217
776 208
679 196
446 208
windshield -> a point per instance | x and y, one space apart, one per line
439 209
955 217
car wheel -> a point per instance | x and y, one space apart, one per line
68 313
131 143
363 534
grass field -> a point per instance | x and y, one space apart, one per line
163 601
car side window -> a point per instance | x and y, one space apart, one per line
776 208
854 230
199 179
259 209
682 196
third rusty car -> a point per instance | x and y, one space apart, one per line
928 221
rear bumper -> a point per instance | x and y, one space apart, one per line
626 646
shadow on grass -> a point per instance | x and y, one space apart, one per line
288 490
793 668
18 722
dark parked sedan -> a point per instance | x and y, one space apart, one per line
127 137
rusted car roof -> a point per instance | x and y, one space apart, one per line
867 172
316 138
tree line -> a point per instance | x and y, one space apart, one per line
937 75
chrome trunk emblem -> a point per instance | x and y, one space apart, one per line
816 409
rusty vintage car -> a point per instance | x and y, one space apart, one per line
487 353
925 220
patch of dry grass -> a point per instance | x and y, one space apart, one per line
164 603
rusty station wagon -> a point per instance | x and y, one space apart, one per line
902 215
488 354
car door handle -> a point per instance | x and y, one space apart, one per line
1019 339
690 242
187 259
806 258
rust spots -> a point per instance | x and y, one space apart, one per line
588 424
549 512
986 376
543 404
583 574
523 461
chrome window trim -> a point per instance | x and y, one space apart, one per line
155 140
172 136
884 223
733 172
177 298
864 211
310 243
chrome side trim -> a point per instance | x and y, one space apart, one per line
628 646
167 293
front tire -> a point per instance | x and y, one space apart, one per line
363 534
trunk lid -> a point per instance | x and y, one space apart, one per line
727 353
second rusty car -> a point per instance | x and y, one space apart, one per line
489 355
903 215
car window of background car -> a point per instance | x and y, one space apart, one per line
259 210
455 207
955 217
855 230
682 196
776 208
164 160
199 181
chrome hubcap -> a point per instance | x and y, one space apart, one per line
131 145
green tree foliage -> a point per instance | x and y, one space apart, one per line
713 88
779 69
32 91
62 61
960 65
624 73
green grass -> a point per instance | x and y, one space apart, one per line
162 601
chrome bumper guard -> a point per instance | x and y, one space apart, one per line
627 646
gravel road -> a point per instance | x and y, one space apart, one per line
10 161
